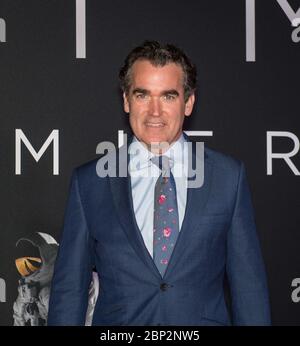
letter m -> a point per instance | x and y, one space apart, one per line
53 137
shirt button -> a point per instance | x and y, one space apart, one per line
164 286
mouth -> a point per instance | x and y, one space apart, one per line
154 125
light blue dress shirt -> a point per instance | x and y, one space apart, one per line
144 174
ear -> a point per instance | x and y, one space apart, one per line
189 105
125 103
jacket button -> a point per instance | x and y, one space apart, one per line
164 286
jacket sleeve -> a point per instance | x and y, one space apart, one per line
245 267
73 267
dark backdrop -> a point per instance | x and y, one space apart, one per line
45 87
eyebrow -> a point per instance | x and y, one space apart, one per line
147 92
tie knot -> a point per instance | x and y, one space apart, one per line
162 162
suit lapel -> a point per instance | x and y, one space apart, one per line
196 202
122 196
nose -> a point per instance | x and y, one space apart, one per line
155 107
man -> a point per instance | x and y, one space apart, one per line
162 249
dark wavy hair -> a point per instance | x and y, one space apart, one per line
159 55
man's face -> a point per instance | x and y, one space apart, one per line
155 102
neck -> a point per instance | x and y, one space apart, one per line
159 148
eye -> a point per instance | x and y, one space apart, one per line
141 96
169 97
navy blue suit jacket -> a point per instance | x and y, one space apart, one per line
218 239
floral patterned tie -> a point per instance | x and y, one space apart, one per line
166 221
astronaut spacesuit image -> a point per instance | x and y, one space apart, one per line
31 306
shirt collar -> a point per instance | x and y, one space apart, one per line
140 156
